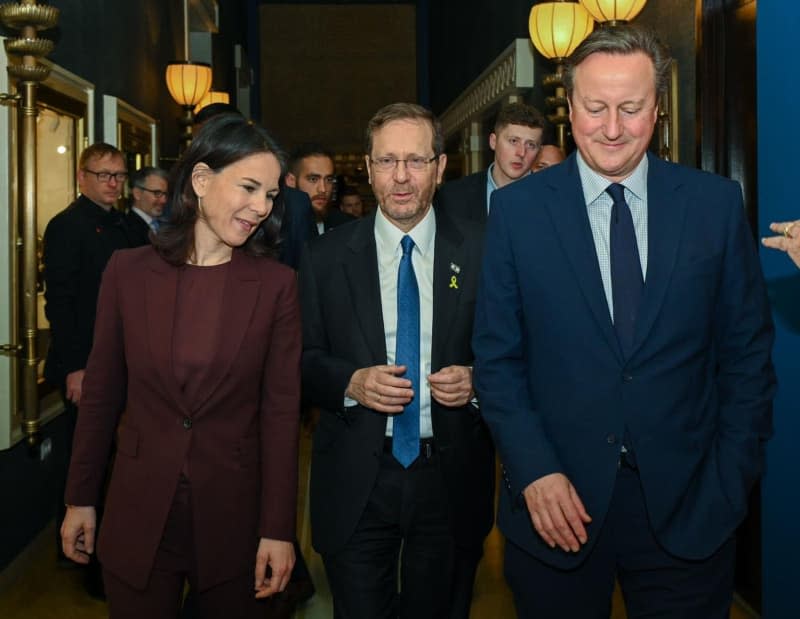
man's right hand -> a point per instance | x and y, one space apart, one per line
557 512
380 388
75 386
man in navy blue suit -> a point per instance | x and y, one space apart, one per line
622 359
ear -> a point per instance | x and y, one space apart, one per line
136 192
441 164
291 180
201 174
369 169
492 140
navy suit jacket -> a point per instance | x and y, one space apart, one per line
465 198
696 391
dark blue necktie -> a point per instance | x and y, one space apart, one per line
405 433
155 224
626 270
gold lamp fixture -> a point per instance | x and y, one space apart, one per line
187 81
212 96
613 12
556 29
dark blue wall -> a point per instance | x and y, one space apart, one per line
778 158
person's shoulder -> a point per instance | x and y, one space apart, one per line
463 183
680 173
337 239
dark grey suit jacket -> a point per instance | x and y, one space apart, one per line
342 332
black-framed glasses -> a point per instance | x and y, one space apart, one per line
104 177
157 193
388 163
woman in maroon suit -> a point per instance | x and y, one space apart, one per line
194 373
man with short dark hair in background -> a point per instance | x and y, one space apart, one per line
351 203
622 358
148 197
311 170
515 141
78 242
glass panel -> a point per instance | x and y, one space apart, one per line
58 147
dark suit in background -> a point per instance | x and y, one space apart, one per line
342 332
465 197
296 225
333 218
138 229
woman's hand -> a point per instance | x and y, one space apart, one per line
279 556
78 533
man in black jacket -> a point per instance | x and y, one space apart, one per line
78 243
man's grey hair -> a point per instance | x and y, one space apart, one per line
623 41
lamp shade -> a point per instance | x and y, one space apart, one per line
613 10
212 96
188 82
557 28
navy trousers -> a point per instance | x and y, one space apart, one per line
654 583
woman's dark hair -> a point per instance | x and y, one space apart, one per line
223 140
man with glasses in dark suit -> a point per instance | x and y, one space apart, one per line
78 243
149 196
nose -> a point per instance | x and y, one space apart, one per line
263 207
519 150
613 126
400 171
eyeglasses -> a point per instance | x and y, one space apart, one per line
388 163
157 194
104 177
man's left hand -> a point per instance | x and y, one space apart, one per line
452 386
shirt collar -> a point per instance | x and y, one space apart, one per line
147 218
594 185
490 184
388 236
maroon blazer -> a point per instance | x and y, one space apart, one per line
238 443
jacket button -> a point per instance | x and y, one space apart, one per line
611 439
627 378
187 423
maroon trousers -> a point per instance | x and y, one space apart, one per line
175 565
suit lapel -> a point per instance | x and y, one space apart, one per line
448 258
567 208
666 214
360 264
242 287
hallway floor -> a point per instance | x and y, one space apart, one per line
34 587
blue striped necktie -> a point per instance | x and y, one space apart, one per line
405 434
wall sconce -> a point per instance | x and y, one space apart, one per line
212 96
556 29
187 81
613 12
